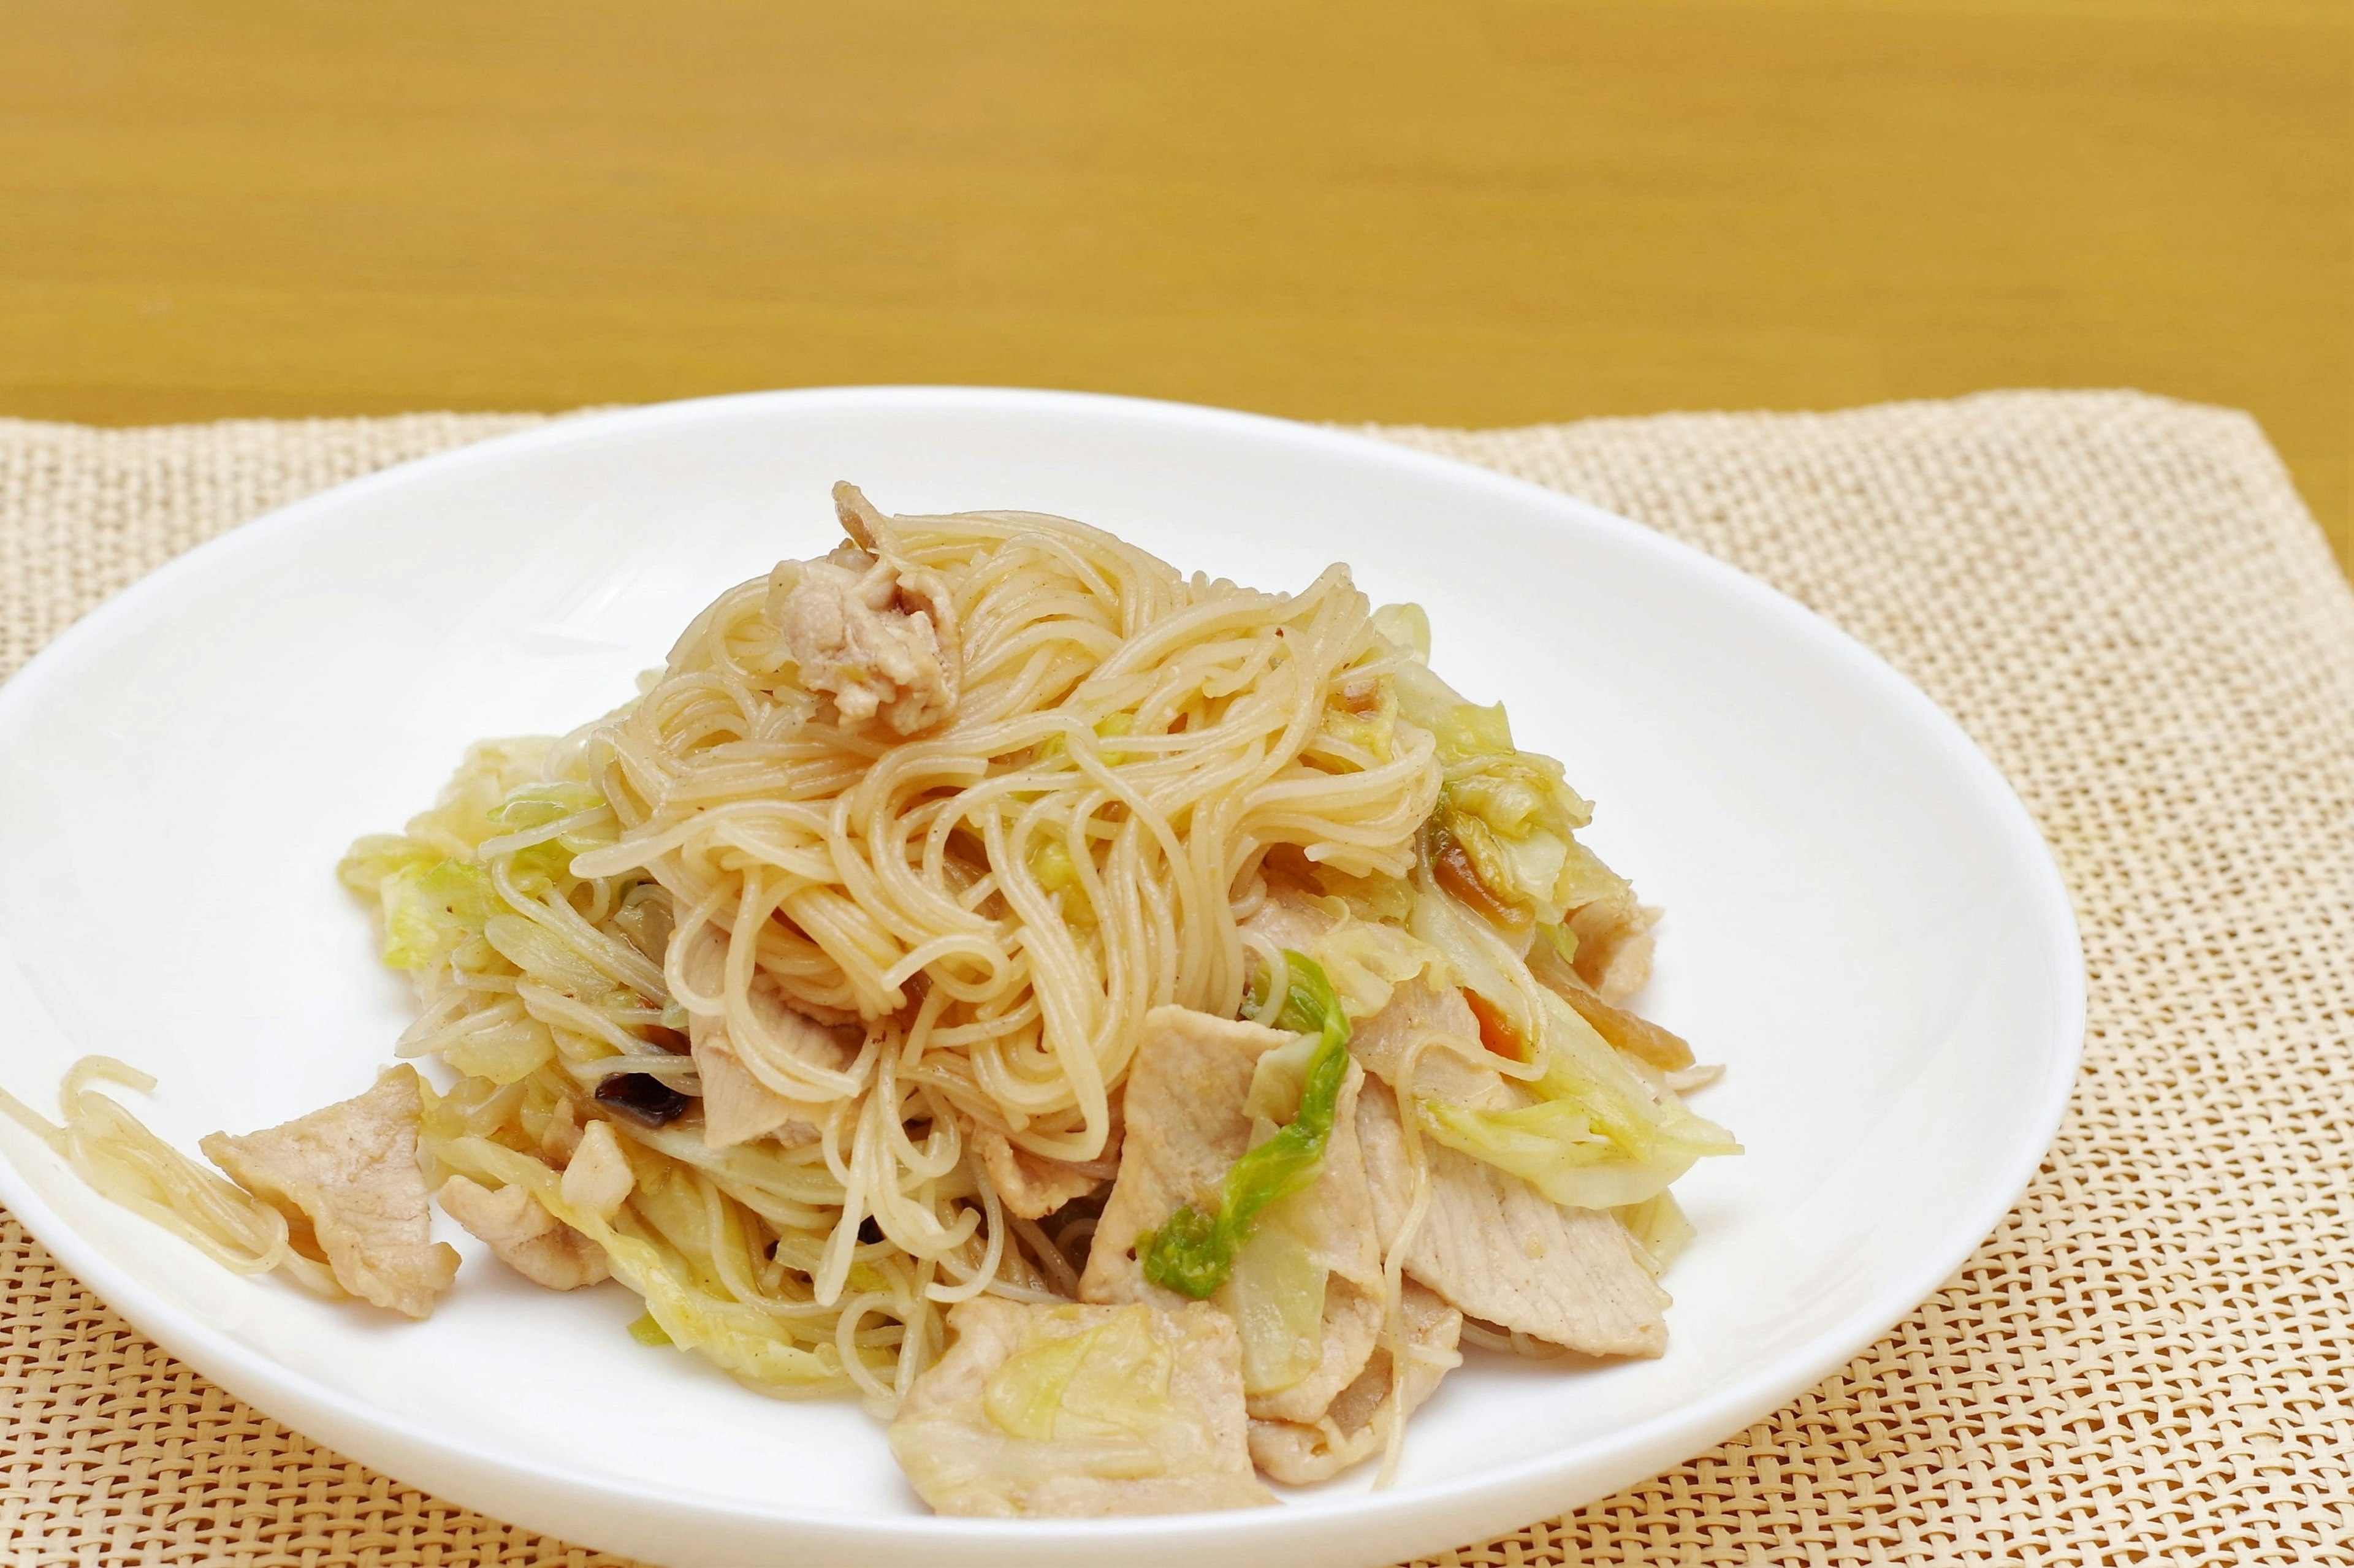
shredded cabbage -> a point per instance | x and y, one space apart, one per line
491 771
538 952
1360 726
433 881
1051 865
1374 899
1464 730
1193 1252
1602 1134
378 855
479 902
565 810
1025 1394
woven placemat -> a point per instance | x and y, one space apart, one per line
2122 600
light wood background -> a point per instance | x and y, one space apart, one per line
1448 211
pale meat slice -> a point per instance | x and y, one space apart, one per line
1417 1011
1033 1186
1185 1127
1079 1413
1614 945
1358 1423
1183 1110
598 1179
1286 919
561 1135
873 633
740 1101
524 1235
738 1108
1504 1253
348 1179
1458 1071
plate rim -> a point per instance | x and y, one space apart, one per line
1628 1454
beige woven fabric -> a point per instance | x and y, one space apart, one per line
2121 598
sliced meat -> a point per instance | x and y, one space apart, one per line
1288 920
1358 1424
756 1085
738 1108
1033 1186
1502 1251
524 1235
347 1181
1458 1072
873 633
1417 1011
1182 1105
1079 1412
1185 1127
1614 945
561 1135
1352 1332
598 1179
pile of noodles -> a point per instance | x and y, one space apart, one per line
987 908
995 901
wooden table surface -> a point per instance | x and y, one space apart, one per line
1479 212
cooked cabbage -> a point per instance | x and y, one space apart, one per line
1602 1133
1279 1079
1367 960
570 813
1503 837
433 913
500 1046
1407 625
464 814
1193 1252
743 1339
1659 1227
1476 958
1109 1381
1276 1296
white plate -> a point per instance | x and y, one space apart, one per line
1862 924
